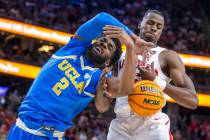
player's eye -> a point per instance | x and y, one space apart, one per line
110 47
159 26
103 40
150 22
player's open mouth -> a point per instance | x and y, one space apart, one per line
97 50
149 37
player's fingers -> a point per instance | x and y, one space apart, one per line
148 53
144 60
104 86
139 50
108 94
141 69
145 54
112 28
113 36
152 67
103 81
108 32
142 43
149 44
104 72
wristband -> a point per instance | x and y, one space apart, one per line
160 82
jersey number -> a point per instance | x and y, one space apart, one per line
61 85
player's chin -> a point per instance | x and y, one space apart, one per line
151 39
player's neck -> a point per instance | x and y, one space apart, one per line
95 65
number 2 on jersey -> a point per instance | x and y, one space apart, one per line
61 85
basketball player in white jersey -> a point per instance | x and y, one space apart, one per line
162 66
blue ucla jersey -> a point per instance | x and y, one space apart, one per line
67 82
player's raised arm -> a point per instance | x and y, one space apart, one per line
117 86
126 79
93 28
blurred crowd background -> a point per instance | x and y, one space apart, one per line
187 30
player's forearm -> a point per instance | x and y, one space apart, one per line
183 96
128 72
102 102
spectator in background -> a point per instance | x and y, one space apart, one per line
53 14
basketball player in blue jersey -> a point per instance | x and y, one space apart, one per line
68 82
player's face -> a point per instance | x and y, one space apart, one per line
151 27
103 49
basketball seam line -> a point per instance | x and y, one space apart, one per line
148 95
144 107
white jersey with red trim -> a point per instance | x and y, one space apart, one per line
129 126
122 107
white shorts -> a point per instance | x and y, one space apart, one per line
135 127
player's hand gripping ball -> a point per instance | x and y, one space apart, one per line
147 98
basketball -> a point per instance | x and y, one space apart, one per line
147 98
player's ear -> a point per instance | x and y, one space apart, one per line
139 26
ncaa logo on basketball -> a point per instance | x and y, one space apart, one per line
151 102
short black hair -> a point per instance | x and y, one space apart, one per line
153 11
117 54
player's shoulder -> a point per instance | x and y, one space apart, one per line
169 54
171 57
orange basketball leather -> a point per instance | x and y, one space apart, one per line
147 98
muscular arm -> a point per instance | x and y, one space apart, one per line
127 74
184 91
93 28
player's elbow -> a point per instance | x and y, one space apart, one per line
193 106
195 102
102 15
192 102
102 109
102 106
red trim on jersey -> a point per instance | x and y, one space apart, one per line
167 122
170 135
169 132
